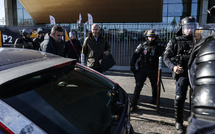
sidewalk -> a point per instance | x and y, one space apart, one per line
146 120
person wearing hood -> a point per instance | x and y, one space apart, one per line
40 37
148 54
176 58
53 43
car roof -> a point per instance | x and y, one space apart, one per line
15 55
15 62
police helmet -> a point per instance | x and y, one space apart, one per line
26 31
204 31
188 25
72 33
152 33
197 34
40 30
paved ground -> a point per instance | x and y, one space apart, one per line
146 120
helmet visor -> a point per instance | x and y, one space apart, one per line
188 29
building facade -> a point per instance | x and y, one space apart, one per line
173 11
124 37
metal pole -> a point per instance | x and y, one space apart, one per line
159 84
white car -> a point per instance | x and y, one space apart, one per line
44 93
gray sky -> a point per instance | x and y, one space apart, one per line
2 13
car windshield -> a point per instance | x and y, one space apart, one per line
62 100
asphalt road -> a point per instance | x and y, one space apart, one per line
146 120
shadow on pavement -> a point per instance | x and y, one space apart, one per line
166 107
119 73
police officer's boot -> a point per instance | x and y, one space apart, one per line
154 96
179 106
134 100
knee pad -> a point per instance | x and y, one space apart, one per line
179 98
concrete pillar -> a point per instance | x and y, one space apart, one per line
8 12
203 14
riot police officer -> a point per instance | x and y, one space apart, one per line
40 37
176 58
201 73
25 41
148 52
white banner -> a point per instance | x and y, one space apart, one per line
52 20
90 19
79 21
86 23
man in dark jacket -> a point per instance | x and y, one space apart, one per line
73 46
95 47
53 43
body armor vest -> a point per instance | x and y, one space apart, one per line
184 47
22 43
148 54
203 98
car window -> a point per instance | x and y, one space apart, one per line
62 99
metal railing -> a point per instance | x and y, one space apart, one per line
124 38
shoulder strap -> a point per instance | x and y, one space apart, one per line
74 48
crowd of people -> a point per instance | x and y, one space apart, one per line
176 56
94 48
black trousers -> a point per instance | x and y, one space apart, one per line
141 76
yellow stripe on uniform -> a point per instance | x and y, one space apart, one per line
66 36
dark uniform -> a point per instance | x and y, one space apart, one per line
39 39
73 47
24 41
177 55
149 53
202 78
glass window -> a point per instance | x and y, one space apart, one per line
26 15
62 94
19 13
194 9
164 9
174 20
165 20
18 4
175 9
174 1
165 1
